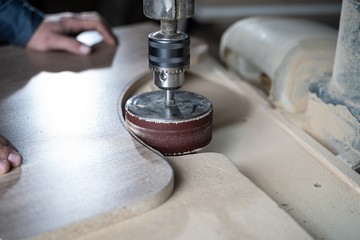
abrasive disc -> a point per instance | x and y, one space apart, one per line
173 130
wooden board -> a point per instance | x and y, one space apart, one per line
211 200
82 169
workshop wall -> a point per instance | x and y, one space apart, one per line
121 12
129 11
114 11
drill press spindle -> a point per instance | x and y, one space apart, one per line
176 122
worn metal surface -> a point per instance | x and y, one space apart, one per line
169 10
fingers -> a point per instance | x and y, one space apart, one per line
11 155
9 152
15 159
90 22
69 44
53 33
4 166
48 37
103 27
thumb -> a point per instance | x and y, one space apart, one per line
69 44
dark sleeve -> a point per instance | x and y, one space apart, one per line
18 21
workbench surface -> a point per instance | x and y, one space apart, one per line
83 173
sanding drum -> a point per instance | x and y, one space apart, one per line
178 129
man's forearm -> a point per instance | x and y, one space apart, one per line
18 21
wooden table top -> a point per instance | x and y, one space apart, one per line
82 170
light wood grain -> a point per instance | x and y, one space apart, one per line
82 169
211 200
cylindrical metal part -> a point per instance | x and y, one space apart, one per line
169 98
347 60
169 81
168 27
169 53
169 10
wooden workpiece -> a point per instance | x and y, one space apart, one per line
211 200
82 170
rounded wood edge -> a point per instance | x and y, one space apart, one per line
115 216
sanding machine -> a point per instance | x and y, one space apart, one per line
171 121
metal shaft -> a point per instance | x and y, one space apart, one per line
168 27
169 10
169 98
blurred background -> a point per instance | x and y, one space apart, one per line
212 17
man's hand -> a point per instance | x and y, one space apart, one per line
57 32
9 156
